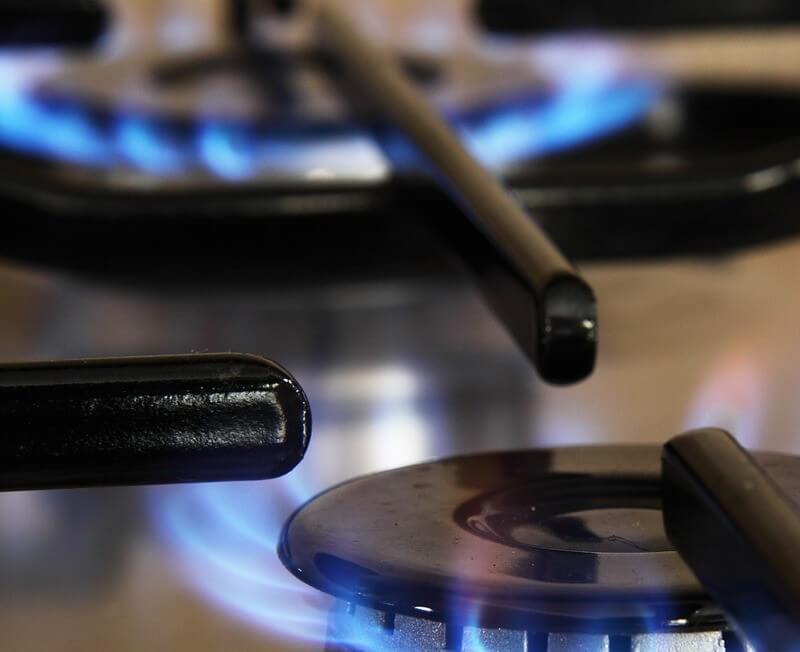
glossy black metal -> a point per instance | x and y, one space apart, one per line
553 316
149 420
559 333
48 23
739 531
532 16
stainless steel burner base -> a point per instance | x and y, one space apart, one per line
358 628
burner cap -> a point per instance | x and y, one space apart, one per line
564 537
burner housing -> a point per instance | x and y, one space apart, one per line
388 632
537 550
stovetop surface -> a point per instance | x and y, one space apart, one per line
399 370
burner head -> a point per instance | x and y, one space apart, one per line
549 542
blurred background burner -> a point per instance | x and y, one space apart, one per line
272 114
617 143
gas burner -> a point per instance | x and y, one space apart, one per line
548 550
272 115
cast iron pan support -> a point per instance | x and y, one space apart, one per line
738 532
545 304
532 17
53 23
537 294
151 420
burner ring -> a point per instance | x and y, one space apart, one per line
572 514
417 541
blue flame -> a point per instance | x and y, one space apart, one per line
58 132
224 537
587 102
150 147
592 98
566 120
229 151
733 394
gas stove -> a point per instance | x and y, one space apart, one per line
238 176
557 549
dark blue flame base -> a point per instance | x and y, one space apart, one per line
361 629
224 537
583 108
